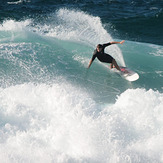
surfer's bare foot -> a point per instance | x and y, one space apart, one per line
123 70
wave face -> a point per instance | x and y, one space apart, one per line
56 110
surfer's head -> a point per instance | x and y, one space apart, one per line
99 47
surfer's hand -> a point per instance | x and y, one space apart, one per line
122 41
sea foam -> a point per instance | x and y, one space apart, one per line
62 123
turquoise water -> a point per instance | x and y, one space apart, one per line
56 110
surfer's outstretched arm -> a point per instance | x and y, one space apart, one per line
114 42
90 63
93 58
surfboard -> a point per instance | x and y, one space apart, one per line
126 73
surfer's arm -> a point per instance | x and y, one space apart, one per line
93 58
90 63
114 42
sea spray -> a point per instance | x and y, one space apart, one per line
77 26
62 123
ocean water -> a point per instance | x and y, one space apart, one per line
54 109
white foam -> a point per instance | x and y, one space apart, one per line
61 123
12 25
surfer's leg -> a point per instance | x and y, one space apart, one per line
109 59
112 66
115 64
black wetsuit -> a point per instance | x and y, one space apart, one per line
103 57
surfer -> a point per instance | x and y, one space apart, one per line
103 57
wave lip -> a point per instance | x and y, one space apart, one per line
77 26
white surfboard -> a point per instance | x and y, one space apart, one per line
127 73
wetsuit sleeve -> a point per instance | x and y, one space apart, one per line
94 56
105 45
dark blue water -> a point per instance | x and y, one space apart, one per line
132 20
54 109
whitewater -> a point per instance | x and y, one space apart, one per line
54 109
